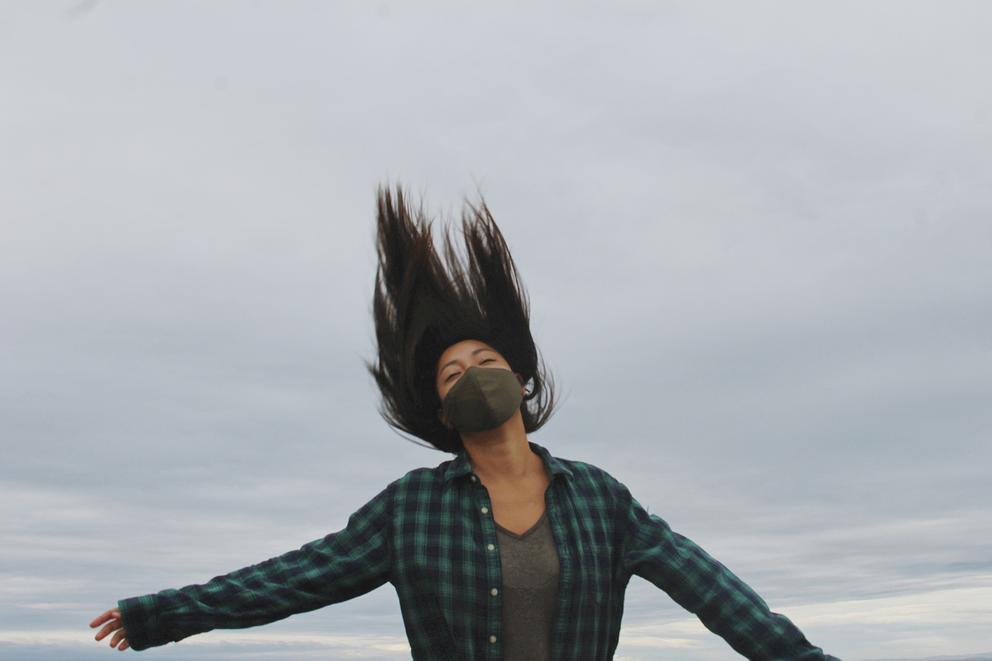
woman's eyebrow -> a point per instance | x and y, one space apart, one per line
452 362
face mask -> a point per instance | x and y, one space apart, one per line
483 398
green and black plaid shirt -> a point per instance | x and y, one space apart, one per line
431 534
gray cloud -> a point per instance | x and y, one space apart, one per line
755 240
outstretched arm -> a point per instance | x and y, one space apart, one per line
338 567
724 603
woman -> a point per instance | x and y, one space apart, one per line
502 552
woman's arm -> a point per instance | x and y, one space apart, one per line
724 603
338 567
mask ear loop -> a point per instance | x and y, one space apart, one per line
440 416
527 393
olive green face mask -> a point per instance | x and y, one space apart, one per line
483 398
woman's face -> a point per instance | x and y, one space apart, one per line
459 357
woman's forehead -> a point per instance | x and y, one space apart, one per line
463 348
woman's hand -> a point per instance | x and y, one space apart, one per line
113 619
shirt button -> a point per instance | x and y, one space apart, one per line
494 592
491 547
473 478
492 639
484 509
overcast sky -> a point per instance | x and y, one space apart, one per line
756 239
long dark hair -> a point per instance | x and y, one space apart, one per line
421 308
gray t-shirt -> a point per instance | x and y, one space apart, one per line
530 591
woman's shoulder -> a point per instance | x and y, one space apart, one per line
590 479
423 478
588 471
415 476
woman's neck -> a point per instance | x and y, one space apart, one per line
499 455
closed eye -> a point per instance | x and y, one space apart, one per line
487 360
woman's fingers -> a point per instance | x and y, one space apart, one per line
113 619
112 626
118 637
106 615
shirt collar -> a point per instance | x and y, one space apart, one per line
461 465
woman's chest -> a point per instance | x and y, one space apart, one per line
448 554
518 508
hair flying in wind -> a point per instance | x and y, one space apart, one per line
423 304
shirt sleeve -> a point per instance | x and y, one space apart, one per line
340 566
703 586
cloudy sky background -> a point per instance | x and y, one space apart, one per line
756 240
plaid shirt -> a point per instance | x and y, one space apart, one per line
431 534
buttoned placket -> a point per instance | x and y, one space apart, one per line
558 534
493 569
